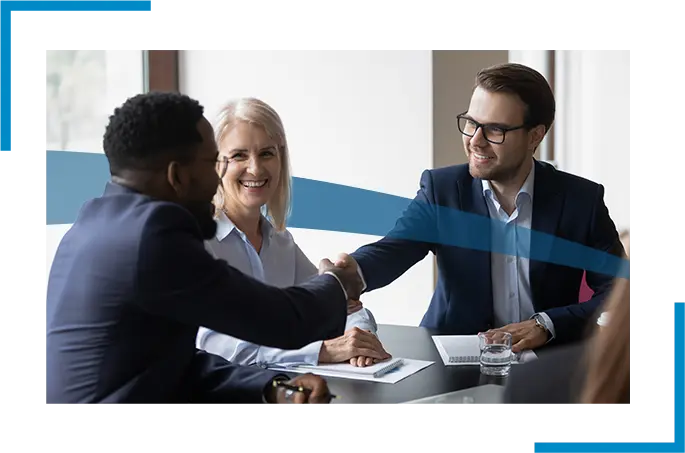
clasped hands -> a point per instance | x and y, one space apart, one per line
359 347
347 271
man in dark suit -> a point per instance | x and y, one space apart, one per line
131 281
488 223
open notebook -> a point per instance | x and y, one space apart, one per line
465 350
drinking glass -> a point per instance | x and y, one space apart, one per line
495 353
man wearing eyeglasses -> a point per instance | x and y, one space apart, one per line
487 277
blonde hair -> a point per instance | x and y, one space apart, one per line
608 355
256 112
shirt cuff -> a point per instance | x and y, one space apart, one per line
272 357
549 325
361 275
341 285
362 319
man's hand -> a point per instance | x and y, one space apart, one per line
319 391
524 335
356 344
345 268
344 261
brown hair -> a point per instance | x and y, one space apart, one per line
528 84
608 355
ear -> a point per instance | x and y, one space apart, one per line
535 136
177 179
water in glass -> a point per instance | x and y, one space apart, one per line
495 359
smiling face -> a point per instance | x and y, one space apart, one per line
505 161
254 165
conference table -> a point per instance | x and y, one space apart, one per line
411 343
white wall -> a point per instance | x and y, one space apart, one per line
359 118
592 131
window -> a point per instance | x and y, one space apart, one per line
593 122
83 88
79 89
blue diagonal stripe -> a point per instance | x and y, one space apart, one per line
73 178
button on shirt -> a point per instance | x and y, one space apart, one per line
280 263
511 291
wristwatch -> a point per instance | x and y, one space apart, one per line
540 322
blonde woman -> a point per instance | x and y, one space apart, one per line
251 206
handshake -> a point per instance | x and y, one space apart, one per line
346 270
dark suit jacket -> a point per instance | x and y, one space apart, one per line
557 377
130 284
450 218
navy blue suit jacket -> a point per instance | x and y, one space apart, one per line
129 286
564 205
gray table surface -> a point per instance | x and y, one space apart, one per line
412 343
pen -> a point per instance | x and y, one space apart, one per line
299 388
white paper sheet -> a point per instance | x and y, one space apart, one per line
409 367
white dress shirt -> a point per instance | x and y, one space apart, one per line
511 291
280 263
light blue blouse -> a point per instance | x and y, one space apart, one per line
280 263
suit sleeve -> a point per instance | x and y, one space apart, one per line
571 322
215 380
411 239
177 278
363 318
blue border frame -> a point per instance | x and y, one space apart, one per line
6 8
642 447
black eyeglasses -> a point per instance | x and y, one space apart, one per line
494 133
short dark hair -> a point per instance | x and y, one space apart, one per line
528 84
149 130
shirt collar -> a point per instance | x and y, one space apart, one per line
527 188
225 226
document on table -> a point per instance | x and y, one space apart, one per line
465 350
388 372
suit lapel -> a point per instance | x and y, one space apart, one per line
548 200
473 202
